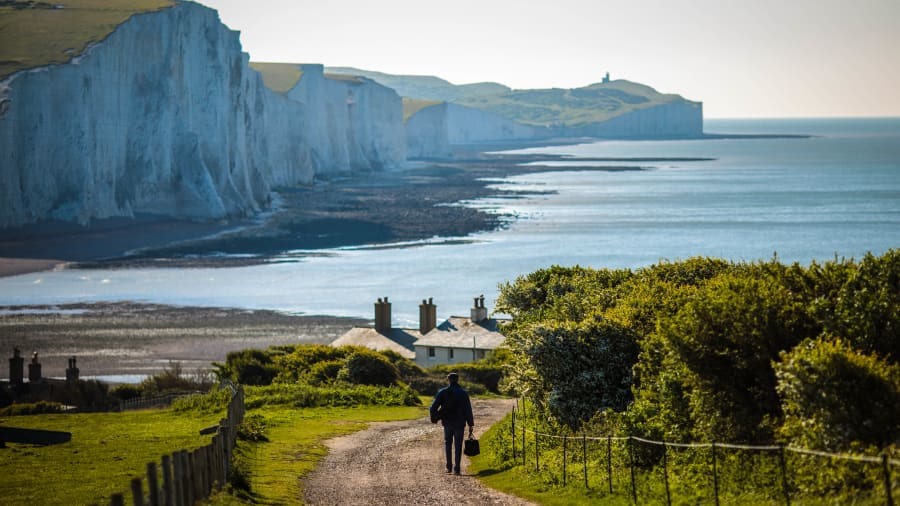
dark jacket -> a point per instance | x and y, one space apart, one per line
452 407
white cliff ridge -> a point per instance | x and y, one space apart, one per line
165 116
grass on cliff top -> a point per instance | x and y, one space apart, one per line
107 450
572 107
414 105
33 34
278 77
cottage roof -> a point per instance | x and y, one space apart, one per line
398 340
462 332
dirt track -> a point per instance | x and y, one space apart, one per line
401 463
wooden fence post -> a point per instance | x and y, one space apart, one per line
168 496
886 469
152 484
784 477
565 457
665 462
177 479
537 454
514 434
631 464
186 498
715 473
584 459
137 493
523 444
609 462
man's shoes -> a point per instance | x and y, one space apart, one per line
456 472
449 470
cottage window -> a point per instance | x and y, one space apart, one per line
430 352
451 353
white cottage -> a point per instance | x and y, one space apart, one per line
458 339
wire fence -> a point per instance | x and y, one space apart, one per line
664 472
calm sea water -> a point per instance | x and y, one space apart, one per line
837 193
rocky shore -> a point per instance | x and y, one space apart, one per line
417 203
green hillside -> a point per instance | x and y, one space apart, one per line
33 34
572 107
424 87
556 106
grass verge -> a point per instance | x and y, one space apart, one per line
106 451
295 445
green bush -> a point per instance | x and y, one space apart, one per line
248 367
295 366
34 408
485 374
836 398
366 367
307 396
323 373
126 392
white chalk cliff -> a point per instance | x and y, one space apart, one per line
166 117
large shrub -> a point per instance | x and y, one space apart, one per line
834 396
366 367
248 367
574 370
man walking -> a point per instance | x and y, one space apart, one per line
452 407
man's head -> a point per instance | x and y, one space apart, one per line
453 377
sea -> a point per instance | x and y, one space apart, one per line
833 194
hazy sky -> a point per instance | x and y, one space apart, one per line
748 58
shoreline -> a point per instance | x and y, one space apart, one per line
417 203
138 339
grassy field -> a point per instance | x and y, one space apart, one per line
106 451
278 77
276 467
41 35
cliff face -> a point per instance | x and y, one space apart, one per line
674 120
432 130
426 133
166 117
467 125
359 123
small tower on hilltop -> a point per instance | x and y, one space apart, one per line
606 78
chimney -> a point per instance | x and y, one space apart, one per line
479 312
16 368
34 369
427 316
72 371
383 315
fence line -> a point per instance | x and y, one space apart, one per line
189 476
883 459
795 449
152 402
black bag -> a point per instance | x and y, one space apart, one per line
471 447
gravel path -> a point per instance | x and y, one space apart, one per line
400 463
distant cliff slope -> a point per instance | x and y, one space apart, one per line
612 109
165 116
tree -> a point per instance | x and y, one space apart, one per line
727 336
574 370
834 396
